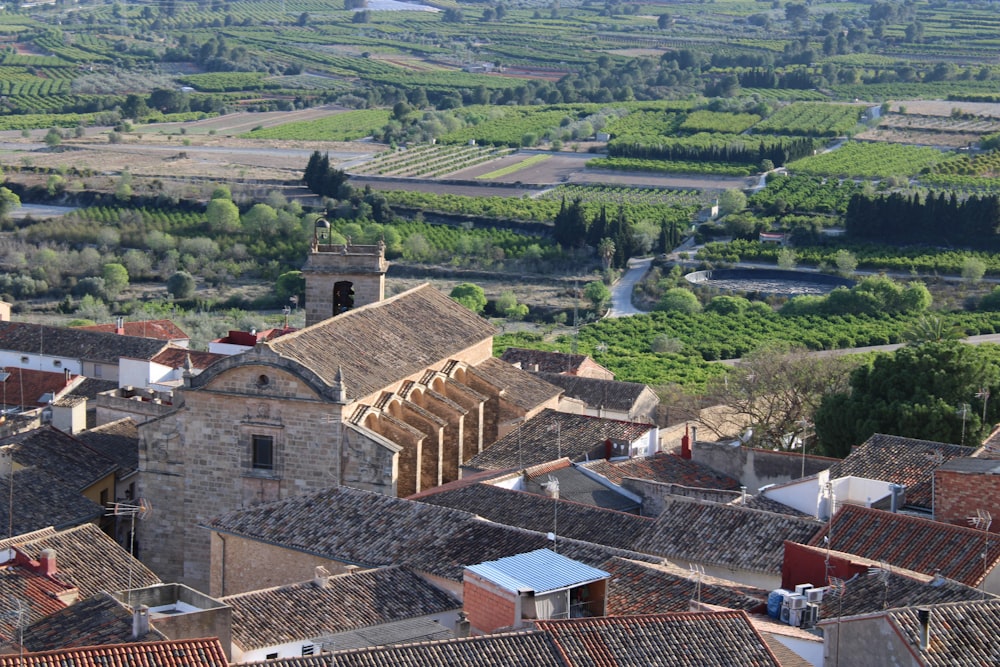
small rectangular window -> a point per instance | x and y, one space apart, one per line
307 649
57 363
262 452
98 371
24 360
271 656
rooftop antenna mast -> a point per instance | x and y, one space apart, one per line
698 572
982 521
142 510
882 571
20 613
552 491
838 587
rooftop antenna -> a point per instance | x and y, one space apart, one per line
963 412
882 571
982 521
552 491
984 395
838 587
141 510
20 613
698 572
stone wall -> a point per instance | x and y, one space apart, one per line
756 468
654 494
363 266
240 565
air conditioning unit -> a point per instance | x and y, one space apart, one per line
802 588
815 594
795 617
810 616
795 601
785 614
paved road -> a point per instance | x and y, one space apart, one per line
621 291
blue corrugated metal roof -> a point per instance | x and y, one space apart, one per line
539 571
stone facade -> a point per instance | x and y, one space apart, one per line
385 398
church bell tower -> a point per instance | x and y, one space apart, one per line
340 277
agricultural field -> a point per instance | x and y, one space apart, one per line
869 160
429 161
812 119
339 127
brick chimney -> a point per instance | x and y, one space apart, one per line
120 326
47 562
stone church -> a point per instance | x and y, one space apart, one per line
389 395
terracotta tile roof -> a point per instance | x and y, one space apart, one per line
90 560
596 393
382 343
667 468
173 653
59 454
98 620
521 388
962 633
41 500
534 512
706 639
521 649
547 362
8 542
28 388
647 588
38 593
159 329
535 441
336 523
75 343
896 588
900 460
910 542
177 357
303 611
716 534
118 441
91 387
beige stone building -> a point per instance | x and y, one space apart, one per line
391 396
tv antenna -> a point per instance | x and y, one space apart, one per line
141 510
698 572
838 587
552 491
882 571
20 614
982 521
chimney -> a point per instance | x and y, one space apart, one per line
924 618
67 376
120 326
896 499
694 436
140 622
321 576
47 562
686 445
462 626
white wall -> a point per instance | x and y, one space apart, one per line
227 348
647 445
294 649
139 373
803 494
810 651
40 362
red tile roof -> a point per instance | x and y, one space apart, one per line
25 387
911 542
176 357
663 467
158 329
173 653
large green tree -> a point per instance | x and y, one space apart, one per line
469 295
937 390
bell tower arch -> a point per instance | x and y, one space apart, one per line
340 277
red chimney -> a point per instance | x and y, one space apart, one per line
686 444
47 562
607 448
120 326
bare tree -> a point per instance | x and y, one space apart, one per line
776 390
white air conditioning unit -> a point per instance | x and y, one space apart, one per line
795 601
815 594
810 616
785 612
802 588
795 617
